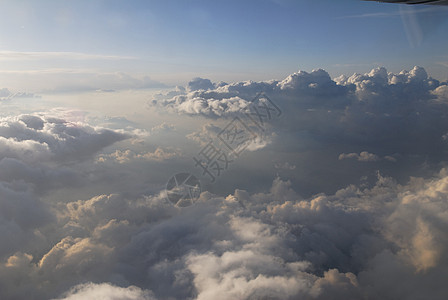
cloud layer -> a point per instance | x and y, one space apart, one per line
380 117
384 242
376 107
76 224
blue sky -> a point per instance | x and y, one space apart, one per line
173 41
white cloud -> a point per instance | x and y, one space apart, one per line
379 112
106 291
68 234
43 137
441 92
279 245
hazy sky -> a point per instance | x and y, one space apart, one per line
173 41
318 131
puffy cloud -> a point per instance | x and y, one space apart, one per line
384 239
207 133
379 112
246 274
35 151
35 138
365 156
163 127
377 92
441 92
379 107
106 291
317 83
77 253
274 245
127 155
200 84
224 100
245 246
218 100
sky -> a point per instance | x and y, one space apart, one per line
174 41
159 150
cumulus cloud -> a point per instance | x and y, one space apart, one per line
35 138
382 240
200 84
106 291
123 156
163 127
207 133
376 105
200 98
377 89
365 156
219 100
276 245
33 161
244 246
379 112
441 92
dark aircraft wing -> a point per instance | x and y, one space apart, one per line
433 2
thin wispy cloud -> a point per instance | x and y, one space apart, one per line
29 55
78 79
393 14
